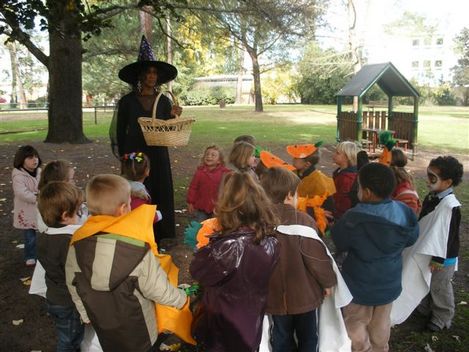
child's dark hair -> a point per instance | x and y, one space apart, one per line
362 159
449 168
313 158
278 183
57 170
398 163
134 166
378 178
24 152
245 138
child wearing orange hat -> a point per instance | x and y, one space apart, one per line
313 183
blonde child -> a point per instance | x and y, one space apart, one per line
405 191
59 204
235 267
203 189
242 158
111 270
344 176
25 178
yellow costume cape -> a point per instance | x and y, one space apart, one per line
138 224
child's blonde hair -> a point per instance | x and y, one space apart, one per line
135 166
243 202
221 157
350 149
240 154
106 193
57 170
57 198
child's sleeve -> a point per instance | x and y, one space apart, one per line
71 267
22 192
317 262
193 188
154 284
340 235
453 237
212 265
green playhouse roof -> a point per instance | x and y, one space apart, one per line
388 78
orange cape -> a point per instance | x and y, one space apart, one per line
138 224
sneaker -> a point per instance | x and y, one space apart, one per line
31 262
433 327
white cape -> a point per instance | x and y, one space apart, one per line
416 274
38 287
332 332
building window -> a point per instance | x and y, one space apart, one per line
415 42
427 41
438 63
439 41
415 64
427 63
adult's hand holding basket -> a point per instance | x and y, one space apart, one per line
167 133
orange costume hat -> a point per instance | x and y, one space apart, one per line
301 151
270 160
138 224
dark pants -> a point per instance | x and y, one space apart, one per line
68 325
29 244
303 326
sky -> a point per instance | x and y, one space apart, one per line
452 15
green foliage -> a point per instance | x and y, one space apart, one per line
208 96
461 70
278 84
443 95
322 74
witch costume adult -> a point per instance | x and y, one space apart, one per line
126 134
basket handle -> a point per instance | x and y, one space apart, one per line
155 104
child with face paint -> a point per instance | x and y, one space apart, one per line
441 212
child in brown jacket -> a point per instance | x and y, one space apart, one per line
304 273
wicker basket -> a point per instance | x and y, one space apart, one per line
166 133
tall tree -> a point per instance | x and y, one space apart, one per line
68 23
259 25
461 70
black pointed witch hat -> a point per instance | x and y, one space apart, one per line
165 72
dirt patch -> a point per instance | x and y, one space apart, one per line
36 331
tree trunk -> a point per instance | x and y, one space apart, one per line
146 23
65 84
17 90
169 48
256 73
239 83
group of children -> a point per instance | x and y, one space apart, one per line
264 256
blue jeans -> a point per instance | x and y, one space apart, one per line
304 326
29 244
70 330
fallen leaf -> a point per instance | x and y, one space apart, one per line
456 338
21 245
15 241
17 322
462 303
27 282
434 338
427 348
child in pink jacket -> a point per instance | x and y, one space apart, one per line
203 190
25 178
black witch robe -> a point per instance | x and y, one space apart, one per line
130 139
